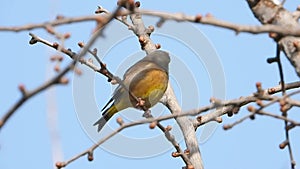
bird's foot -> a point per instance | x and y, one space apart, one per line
140 103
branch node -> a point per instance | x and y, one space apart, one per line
272 60
296 44
58 58
199 119
22 89
55 45
215 101
282 102
284 106
150 29
59 17
157 46
60 165
208 15
252 117
258 87
273 35
128 4
293 162
229 113
227 127
187 152
198 18
153 124
67 35
33 40
160 22
168 128
95 51
189 166
78 71
137 4
219 119
120 121
99 10
90 156
176 154
271 90
283 144
50 29
63 80
142 40
131 5
81 44
290 126
235 109
259 103
57 68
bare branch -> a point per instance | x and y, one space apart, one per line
232 106
56 79
60 20
210 20
28 94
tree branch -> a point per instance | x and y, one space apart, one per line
60 20
55 80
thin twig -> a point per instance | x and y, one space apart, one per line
293 122
29 94
280 69
56 22
275 100
210 20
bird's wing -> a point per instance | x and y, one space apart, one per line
137 68
118 91
134 70
110 100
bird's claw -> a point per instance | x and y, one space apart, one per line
140 103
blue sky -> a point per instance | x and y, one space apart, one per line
26 140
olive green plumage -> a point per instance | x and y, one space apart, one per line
147 79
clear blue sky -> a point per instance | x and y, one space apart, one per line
26 141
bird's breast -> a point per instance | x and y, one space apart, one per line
150 86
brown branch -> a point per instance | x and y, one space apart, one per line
205 119
180 17
232 106
171 139
90 150
34 39
268 12
284 118
210 20
57 22
29 94
264 113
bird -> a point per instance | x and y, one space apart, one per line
146 80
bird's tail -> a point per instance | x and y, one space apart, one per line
106 115
101 122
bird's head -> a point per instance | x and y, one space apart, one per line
160 58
